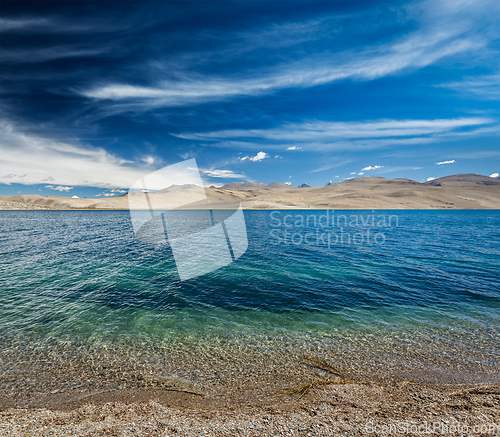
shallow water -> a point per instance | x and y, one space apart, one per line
86 306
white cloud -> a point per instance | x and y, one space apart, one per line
36 159
430 178
109 194
75 197
328 164
446 162
51 53
370 167
332 135
228 174
486 87
54 25
7 24
353 172
495 175
259 157
59 188
440 37
398 168
360 173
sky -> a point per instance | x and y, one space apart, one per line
94 96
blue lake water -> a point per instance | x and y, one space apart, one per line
399 294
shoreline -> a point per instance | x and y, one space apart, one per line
26 207
352 408
464 191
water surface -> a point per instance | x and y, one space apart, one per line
84 306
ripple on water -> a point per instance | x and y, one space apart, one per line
84 306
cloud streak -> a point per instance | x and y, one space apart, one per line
442 36
485 87
326 135
225 174
53 53
30 159
415 52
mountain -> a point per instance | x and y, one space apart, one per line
463 180
176 188
329 183
249 186
463 191
376 181
281 186
244 186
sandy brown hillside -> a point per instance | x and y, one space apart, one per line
466 191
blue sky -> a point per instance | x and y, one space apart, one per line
95 95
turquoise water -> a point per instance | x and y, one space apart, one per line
419 300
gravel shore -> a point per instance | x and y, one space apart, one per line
346 409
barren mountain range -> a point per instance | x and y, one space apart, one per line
462 191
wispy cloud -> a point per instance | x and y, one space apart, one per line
324 135
55 25
13 24
34 159
226 174
439 36
415 52
446 162
52 53
330 163
150 160
397 169
485 87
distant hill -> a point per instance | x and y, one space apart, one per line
248 186
176 188
463 191
274 185
364 180
463 180
244 186
378 180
